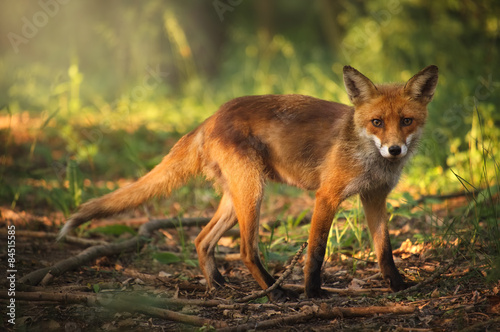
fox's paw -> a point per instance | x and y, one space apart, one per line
216 280
398 283
317 293
402 286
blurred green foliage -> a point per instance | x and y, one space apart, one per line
112 81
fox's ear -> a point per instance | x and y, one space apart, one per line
359 88
421 87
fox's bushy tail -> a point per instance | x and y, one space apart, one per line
180 164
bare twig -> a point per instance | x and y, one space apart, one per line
115 304
278 282
269 323
69 239
72 288
166 281
220 303
341 291
327 312
91 253
324 311
427 281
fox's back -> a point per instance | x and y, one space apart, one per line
291 134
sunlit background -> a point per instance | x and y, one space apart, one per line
108 86
94 93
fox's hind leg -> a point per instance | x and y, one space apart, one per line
223 220
246 187
247 199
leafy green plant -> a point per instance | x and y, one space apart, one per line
280 244
186 249
166 257
292 223
96 288
347 234
74 177
67 198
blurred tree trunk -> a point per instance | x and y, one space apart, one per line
264 9
328 13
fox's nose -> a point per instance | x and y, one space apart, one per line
395 150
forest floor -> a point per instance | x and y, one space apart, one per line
135 290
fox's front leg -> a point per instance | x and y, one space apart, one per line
324 211
374 205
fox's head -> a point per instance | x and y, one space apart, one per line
391 115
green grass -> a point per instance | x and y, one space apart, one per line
81 146
478 227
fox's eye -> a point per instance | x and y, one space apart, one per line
377 122
406 121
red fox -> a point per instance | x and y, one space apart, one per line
334 149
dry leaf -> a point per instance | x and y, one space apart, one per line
356 284
493 304
164 274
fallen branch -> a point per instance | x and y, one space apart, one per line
324 311
48 273
45 235
341 291
327 312
115 304
278 282
220 303
166 281
72 288
266 324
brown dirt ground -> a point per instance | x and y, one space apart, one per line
456 300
